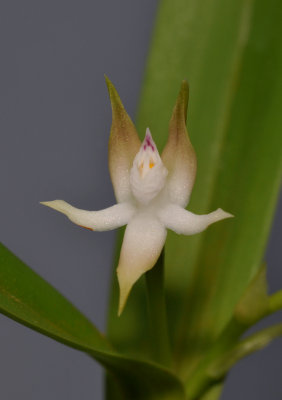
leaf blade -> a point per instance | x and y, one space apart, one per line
31 301
28 299
225 51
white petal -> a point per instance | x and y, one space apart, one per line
142 244
103 220
184 222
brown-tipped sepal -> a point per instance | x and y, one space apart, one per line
178 155
124 144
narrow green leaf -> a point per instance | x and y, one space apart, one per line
31 301
230 53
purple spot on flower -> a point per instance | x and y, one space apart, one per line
148 143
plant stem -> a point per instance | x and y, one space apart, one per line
157 313
222 356
213 393
275 301
247 346
199 381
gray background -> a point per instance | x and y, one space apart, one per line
55 121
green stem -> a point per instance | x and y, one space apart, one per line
252 343
200 381
275 302
213 393
157 313
223 355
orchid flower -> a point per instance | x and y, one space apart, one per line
152 192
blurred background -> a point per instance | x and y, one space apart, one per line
54 127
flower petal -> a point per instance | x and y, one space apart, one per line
184 222
178 155
124 144
142 244
103 220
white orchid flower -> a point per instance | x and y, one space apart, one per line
152 192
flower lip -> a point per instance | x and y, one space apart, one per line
148 173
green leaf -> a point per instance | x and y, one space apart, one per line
230 53
31 301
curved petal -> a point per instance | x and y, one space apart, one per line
178 155
103 220
142 244
184 222
124 144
